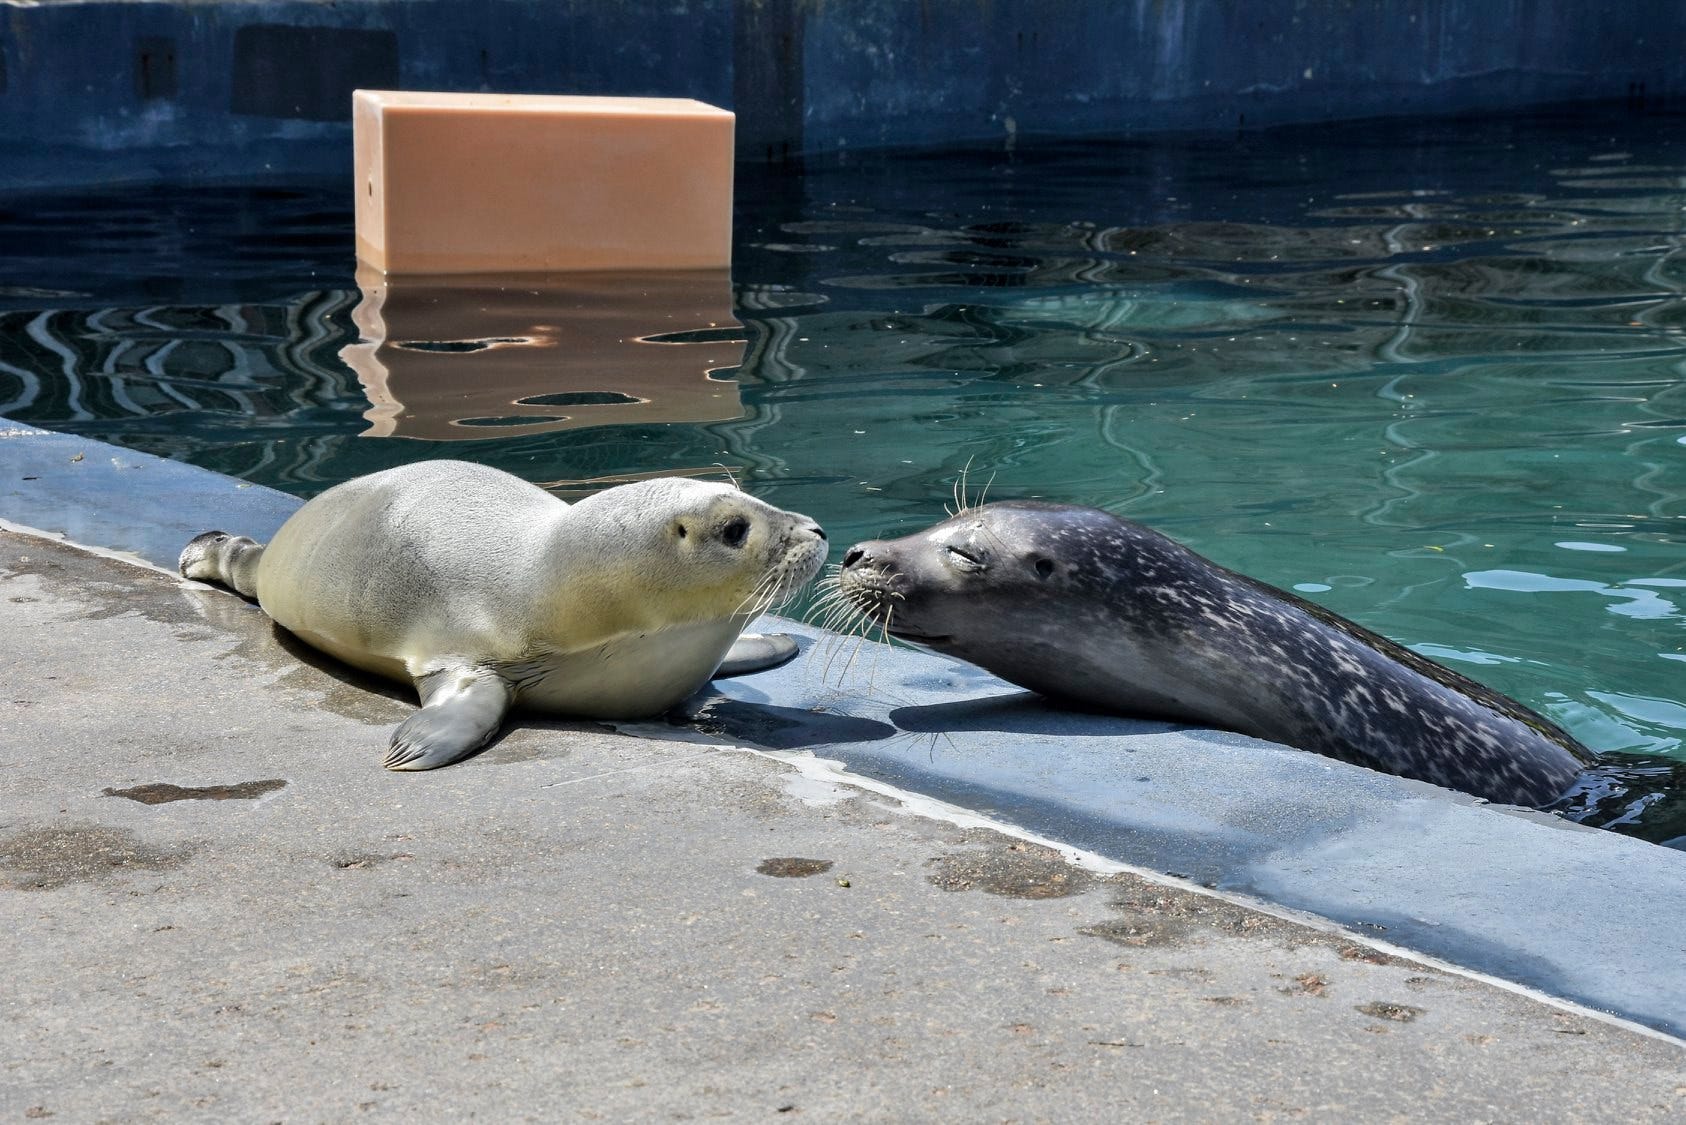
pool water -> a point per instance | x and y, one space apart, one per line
1431 375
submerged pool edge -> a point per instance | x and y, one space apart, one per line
1577 914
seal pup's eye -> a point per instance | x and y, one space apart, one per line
680 528
1044 567
962 558
734 533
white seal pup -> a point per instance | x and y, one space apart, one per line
487 592
1079 604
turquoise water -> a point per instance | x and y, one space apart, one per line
1428 375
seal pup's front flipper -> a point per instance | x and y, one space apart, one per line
758 652
462 707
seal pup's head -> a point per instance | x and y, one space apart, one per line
700 550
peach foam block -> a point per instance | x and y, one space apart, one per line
471 183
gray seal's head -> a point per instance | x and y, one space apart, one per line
1012 586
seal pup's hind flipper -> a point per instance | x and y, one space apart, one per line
758 652
462 708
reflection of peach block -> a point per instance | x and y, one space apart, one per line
466 183
490 356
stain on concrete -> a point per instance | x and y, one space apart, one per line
1140 899
792 867
44 859
222 610
1567 1025
1154 916
1139 931
1382 1010
163 792
100 587
104 588
1368 956
532 740
341 689
1013 870
1307 984
358 861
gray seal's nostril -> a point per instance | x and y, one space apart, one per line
852 556
818 530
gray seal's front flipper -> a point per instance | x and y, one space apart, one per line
462 708
757 652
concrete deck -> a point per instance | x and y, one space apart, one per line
219 906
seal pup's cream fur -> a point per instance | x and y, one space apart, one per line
487 592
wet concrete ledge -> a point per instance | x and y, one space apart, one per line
1574 913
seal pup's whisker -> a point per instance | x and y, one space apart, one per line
742 609
760 595
730 475
774 591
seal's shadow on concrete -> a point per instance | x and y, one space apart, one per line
1024 713
494 751
775 728
770 726
339 670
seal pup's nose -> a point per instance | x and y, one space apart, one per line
818 531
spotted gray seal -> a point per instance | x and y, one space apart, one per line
487 592
1078 604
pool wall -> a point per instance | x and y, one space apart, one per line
217 89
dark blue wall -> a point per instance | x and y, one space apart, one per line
894 72
208 90
116 90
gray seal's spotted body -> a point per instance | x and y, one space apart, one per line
486 592
1078 604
